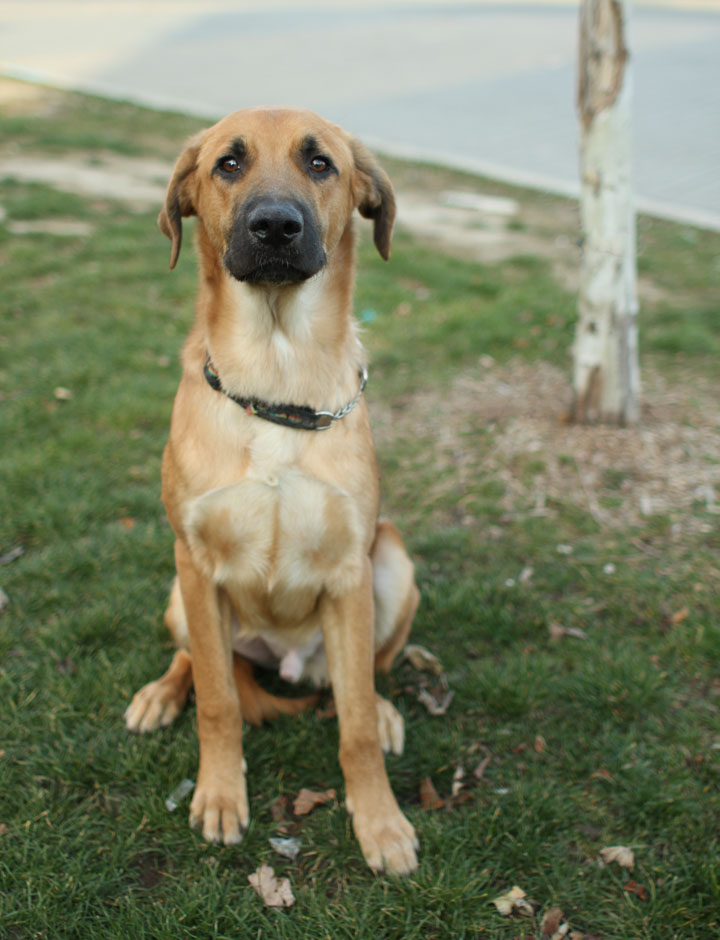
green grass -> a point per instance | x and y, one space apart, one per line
629 716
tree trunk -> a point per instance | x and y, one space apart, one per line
606 378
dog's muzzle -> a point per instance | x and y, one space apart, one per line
274 241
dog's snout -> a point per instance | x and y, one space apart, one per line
275 224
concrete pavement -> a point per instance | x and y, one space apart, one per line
484 86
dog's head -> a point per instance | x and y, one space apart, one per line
275 190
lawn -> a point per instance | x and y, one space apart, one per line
569 576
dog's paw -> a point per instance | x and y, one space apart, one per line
388 842
391 727
156 705
222 812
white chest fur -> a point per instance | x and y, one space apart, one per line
276 541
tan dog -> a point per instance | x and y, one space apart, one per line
269 474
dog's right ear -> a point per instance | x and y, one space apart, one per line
179 201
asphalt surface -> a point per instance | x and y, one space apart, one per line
485 86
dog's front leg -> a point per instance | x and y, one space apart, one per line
220 801
386 837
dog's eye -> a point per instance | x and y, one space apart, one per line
320 164
229 165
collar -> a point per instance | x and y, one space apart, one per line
290 416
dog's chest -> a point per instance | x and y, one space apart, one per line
275 541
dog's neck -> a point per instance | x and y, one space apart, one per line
294 343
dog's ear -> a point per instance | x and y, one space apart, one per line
374 196
178 202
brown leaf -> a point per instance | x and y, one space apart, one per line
601 774
63 394
307 800
552 925
274 892
634 888
540 744
551 921
127 522
429 798
679 616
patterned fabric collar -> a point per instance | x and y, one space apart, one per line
290 416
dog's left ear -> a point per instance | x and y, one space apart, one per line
374 196
179 201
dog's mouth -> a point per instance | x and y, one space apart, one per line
275 271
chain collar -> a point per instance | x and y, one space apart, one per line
290 416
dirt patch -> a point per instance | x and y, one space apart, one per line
669 466
20 98
140 183
71 228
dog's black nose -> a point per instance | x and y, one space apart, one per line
275 224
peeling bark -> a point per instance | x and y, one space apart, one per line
606 377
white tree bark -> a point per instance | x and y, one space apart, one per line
606 379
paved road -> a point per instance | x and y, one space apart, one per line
486 86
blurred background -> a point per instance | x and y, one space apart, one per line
488 87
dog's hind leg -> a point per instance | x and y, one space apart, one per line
396 599
395 594
159 703
258 705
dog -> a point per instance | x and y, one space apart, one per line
269 476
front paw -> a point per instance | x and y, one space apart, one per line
221 809
387 841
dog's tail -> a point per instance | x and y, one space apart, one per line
257 704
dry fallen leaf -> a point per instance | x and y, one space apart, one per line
634 888
620 854
437 699
429 798
422 659
63 394
679 616
540 744
514 903
552 926
12 555
480 769
274 892
307 800
557 631
458 778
